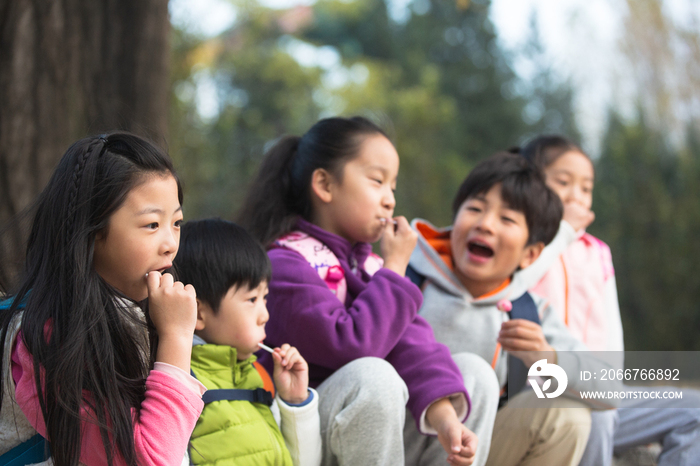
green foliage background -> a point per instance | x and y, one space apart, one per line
439 83
647 203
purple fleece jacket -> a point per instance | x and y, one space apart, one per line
379 318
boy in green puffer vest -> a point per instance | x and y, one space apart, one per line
243 422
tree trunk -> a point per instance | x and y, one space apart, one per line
69 68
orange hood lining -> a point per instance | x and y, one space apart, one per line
438 240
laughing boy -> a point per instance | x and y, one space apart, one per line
504 215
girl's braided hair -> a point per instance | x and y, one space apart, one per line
96 341
95 149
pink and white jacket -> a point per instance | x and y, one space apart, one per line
580 285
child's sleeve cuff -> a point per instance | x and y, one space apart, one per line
308 400
185 378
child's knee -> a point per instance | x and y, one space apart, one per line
691 403
366 394
479 378
376 381
572 423
603 422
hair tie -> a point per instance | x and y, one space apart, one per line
103 138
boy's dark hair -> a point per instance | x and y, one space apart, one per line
522 188
215 255
280 193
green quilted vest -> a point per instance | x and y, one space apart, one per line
233 432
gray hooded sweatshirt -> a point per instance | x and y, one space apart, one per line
468 324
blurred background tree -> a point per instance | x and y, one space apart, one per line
437 79
647 195
67 69
647 200
435 75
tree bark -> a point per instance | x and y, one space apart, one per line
69 68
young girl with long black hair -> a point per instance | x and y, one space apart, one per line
96 339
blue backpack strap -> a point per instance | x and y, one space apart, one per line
523 308
34 450
415 277
6 303
259 395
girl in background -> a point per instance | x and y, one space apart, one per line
96 340
581 286
318 203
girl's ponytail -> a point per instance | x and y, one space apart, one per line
272 204
280 193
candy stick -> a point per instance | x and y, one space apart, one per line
266 348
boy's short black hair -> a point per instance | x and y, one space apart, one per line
215 255
522 188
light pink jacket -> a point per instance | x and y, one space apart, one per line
162 426
581 286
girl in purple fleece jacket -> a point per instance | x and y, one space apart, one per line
318 203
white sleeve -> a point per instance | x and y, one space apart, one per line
301 429
525 279
459 403
276 412
616 341
573 355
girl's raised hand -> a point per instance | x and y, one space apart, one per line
173 310
397 244
291 374
578 215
